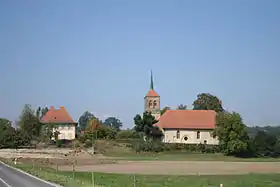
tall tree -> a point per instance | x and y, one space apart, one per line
232 133
113 122
164 110
206 101
145 126
182 107
40 112
7 133
85 119
29 122
265 144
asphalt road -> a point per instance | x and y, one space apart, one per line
12 178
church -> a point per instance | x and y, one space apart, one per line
182 126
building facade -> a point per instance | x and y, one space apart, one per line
182 126
59 120
152 101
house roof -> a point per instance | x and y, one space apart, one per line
152 93
57 116
187 119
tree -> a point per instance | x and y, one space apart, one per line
164 110
96 130
182 107
7 132
29 122
206 101
41 112
232 133
84 120
266 145
113 122
145 125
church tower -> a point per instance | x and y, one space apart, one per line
152 100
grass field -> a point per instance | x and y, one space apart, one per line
120 180
118 150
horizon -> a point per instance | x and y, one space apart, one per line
96 56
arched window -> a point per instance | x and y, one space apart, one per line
150 104
154 104
198 134
178 134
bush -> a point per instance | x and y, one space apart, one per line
157 146
81 138
58 143
88 143
127 134
148 146
76 144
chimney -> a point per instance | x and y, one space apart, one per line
51 108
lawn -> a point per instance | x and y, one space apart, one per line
182 156
121 180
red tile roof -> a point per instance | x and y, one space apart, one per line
57 116
187 119
152 93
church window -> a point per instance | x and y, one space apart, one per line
178 134
154 104
198 134
150 104
205 141
185 138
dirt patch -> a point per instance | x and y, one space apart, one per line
181 167
86 162
53 157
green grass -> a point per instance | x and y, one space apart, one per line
182 156
118 150
83 179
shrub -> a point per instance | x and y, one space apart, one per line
148 146
157 146
58 143
127 134
88 143
76 144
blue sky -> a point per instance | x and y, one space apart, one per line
97 55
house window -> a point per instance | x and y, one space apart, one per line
205 141
198 134
185 138
178 134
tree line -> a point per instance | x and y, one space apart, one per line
28 131
235 137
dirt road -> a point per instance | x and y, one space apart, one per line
181 167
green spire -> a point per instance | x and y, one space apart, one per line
152 83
